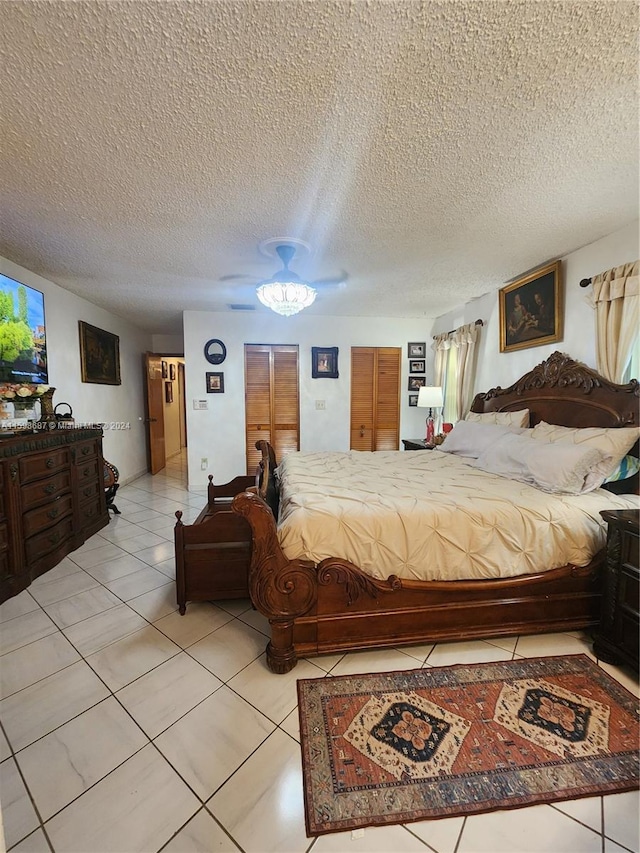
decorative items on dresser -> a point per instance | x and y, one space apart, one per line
616 639
52 499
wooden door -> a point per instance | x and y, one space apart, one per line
154 419
375 398
272 402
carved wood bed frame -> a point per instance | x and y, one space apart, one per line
335 607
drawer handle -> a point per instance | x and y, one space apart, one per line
55 537
53 513
86 450
50 489
86 492
50 463
86 472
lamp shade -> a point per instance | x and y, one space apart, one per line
430 397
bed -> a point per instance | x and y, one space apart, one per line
331 605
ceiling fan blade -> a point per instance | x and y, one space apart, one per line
237 277
338 281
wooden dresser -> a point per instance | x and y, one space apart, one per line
617 636
51 501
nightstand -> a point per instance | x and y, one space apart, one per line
416 444
616 638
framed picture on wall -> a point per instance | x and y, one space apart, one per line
168 392
413 399
417 366
416 382
531 310
99 355
417 350
324 362
215 383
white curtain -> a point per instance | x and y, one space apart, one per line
615 295
464 340
441 346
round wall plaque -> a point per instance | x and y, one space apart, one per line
215 351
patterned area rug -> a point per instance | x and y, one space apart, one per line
428 743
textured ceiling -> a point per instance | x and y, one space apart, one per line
433 151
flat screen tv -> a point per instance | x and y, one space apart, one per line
23 345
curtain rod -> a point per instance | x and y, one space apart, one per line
585 282
477 323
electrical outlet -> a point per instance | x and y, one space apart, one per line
321 404
200 405
204 463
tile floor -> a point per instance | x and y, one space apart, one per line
126 727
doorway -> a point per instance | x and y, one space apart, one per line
166 414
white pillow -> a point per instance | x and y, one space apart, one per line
614 443
471 439
516 419
559 468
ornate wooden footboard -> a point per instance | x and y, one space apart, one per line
335 606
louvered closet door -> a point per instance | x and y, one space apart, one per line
375 398
363 362
387 411
271 400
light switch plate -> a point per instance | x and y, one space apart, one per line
200 404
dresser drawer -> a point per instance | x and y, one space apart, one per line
6 572
40 544
630 549
39 519
89 512
45 490
84 451
43 464
87 471
89 490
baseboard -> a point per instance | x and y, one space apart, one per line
127 480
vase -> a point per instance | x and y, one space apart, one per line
24 409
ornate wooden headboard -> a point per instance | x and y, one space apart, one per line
565 392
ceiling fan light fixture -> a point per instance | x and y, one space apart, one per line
286 297
286 293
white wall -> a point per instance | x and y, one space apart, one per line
496 368
218 433
111 404
167 344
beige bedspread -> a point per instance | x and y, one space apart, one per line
430 516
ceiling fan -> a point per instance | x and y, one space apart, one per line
286 292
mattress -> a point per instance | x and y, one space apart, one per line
429 515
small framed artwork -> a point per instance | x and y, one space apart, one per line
531 310
413 399
416 350
324 362
416 382
417 366
215 383
165 374
99 355
172 371
168 392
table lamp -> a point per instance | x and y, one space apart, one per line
430 397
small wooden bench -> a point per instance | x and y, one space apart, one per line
213 554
